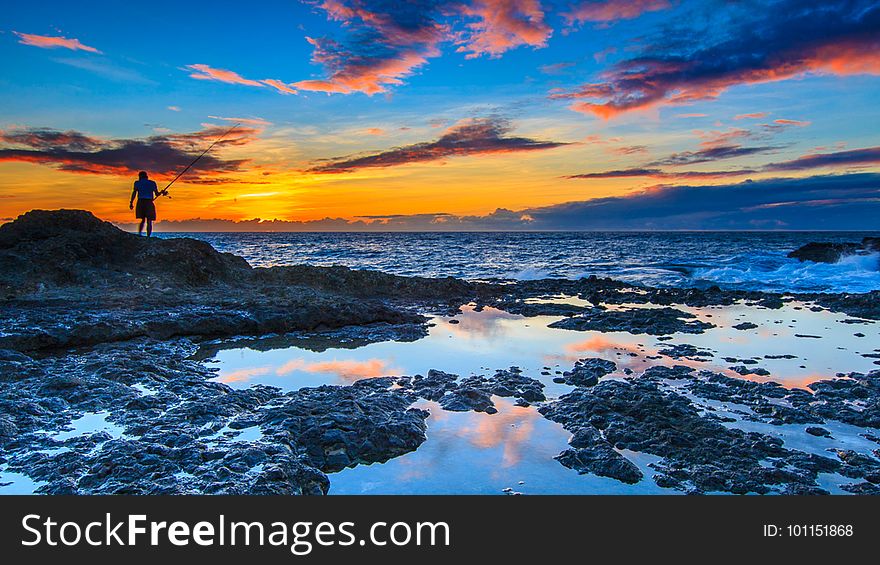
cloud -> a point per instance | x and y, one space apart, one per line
555 68
280 86
865 156
797 123
174 108
609 11
821 202
49 42
503 25
165 154
478 136
832 202
854 157
386 42
657 173
713 153
752 116
205 72
247 121
782 40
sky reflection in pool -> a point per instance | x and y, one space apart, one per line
480 453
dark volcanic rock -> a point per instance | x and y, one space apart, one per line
745 371
653 321
342 426
698 453
685 351
590 453
824 252
587 372
833 252
172 416
817 431
745 326
474 392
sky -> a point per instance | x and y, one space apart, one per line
447 115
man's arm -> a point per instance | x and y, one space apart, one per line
131 202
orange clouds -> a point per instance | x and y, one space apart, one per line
789 40
49 42
613 10
205 72
504 25
350 72
347 370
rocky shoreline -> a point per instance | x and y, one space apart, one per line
98 321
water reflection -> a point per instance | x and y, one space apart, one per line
481 453
478 453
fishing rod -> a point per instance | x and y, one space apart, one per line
164 191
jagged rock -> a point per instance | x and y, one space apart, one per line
653 321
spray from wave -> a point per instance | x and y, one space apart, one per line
775 272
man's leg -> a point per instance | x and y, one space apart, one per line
149 227
141 227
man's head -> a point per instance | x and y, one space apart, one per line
142 175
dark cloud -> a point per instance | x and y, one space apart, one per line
661 174
160 154
713 153
834 202
477 136
866 156
849 158
759 42
820 202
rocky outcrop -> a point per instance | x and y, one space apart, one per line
653 321
832 252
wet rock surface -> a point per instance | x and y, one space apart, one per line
587 372
653 321
91 330
686 351
475 392
699 453
175 431
833 252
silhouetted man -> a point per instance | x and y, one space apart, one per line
145 190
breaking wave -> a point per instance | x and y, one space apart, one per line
855 273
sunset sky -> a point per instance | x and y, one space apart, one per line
433 114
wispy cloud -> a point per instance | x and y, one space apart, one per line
205 72
849 158
608 11
249 121
479 136
53 42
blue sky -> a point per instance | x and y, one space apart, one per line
443 112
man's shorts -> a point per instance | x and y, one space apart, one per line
145 210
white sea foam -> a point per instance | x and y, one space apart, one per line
856 273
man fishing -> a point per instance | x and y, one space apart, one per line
145 190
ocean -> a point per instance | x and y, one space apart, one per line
740 260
